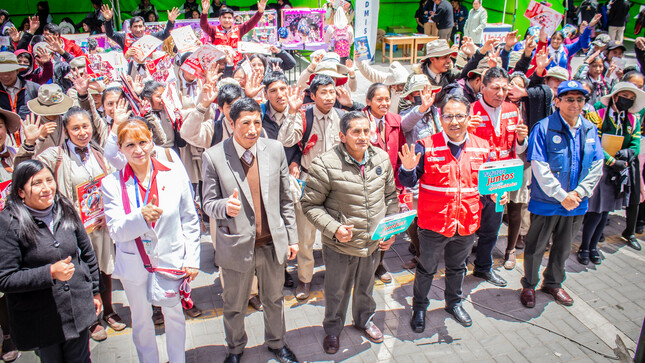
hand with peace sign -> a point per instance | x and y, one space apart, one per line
262 4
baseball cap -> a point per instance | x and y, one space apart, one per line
571 86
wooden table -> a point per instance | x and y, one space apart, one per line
406 43
421 40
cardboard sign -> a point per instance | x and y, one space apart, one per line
5 188
253 48
202 59
185 39
145 46
540 14
496 31
498 177
394 224
90 203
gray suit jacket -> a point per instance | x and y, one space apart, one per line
235 237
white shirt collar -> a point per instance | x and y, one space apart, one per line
241 150
447 140
572 129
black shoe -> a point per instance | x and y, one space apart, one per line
602 238
460 315
418 321
233 358
288 280
583 257
284 355
632 242
157 315
594 257
491 277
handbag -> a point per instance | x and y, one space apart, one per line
163 283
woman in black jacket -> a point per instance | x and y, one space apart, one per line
48 270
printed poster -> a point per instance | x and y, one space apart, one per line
362 49
540 14
185 39
145 46
202 59
90 203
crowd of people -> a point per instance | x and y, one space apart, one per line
263 165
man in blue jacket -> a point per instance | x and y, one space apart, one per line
566 159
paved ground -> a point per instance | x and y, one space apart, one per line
608 312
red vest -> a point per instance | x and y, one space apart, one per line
448 196
503 146
230 38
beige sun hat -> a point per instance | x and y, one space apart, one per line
639 102
51 101
417 83
9 62
438 48
335 58
11 120
397 74
78 62
557 72
330 69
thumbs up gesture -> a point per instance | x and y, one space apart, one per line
151 213
62 270
474 121
344 233
233 204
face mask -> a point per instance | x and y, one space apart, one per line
417 100
624 103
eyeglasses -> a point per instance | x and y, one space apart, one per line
574 99
448 117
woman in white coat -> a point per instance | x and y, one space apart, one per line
476 22
163 215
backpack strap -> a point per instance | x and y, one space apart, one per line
307 125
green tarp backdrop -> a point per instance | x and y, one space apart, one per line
391 12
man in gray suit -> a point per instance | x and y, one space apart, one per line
246 188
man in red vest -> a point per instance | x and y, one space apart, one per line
227 33
449 205
503 128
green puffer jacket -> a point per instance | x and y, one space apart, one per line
337 193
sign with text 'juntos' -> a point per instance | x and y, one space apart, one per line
498 177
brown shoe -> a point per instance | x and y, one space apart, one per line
372 332
509 260
157 315
193 312
97 332
330 344
560 296
9 350
383 275
411 265
527 297
255 303
521 242
303 290
114 321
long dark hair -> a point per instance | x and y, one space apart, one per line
63 210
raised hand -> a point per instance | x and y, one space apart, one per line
121 114
173 14
349 63
408 158
145 107
213 74
511 39
62 270
468 47
475 121
542 60
314 62
254 85
43 56
106 12
493 56
137 84
344 233
274 49
208 95
640 43
262 4
151 213
34 24
56 45
233 204
343 96
294 99
31 128
516 92
594 21
206 4
529 45
81 82
543 35
489 45
427 99
14 34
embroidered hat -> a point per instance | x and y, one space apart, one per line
51 101
9 62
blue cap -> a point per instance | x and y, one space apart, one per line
569 86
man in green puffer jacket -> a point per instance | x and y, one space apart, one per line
349 190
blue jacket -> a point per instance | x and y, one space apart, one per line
570 160
571 49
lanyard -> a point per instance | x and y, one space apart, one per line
136 187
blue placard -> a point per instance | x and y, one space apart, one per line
394 224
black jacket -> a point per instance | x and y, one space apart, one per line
618 13
44 311
29 91
537 103
443 15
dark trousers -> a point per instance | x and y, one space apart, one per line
342 274
542 227
71 351
456 249
514 224
592 227
487 235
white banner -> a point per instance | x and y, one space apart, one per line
366 24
